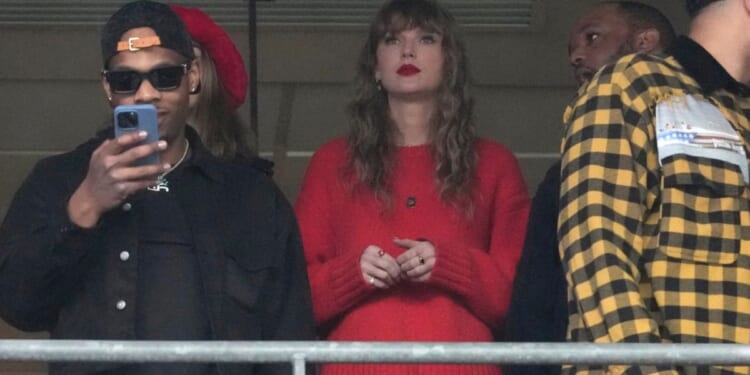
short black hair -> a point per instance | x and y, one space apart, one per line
642 16
695 6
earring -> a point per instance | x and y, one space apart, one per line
193 90
378 85
109 98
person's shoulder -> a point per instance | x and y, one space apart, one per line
490 149
498 168
640 72
331 155
244 175
652 65
637 80
632 60
263 165
73 160
495 161
336 148
248 168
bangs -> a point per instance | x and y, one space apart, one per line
409 14
398 23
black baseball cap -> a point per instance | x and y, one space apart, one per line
171 32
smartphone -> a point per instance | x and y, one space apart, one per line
138 117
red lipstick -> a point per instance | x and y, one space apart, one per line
407 70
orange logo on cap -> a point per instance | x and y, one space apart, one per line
135 43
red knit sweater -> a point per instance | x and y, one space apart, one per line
468 292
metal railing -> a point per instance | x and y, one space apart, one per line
299 353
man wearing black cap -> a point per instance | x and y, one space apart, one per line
655 206
95 246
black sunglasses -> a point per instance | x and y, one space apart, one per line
128 81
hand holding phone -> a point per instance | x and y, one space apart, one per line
135 118
119 167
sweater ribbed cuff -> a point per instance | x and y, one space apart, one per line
347 285
453 270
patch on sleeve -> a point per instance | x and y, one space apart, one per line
693 126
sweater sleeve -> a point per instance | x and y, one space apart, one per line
335 279
292 309
483 277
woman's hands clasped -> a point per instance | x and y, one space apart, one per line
415 264
379 268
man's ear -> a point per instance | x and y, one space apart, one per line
194 76
107 91
648 41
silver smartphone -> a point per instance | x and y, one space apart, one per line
137 117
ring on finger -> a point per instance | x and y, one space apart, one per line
381 252
371 280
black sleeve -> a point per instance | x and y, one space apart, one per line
537 311
294 317
41 252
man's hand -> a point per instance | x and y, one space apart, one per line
111 178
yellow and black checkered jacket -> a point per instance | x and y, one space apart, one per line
654 253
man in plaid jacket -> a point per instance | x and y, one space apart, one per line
654 225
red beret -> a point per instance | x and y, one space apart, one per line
220 48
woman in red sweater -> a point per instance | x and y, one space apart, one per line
412 226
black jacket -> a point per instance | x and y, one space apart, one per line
538 307
57 277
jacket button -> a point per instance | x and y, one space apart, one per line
411 202
127 206
121 305
124 255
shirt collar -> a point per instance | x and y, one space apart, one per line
704 68
201 158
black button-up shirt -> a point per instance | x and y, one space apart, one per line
76 284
